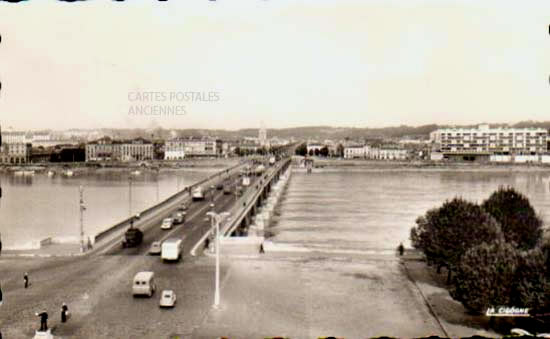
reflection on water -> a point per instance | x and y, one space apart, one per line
375 209
38 206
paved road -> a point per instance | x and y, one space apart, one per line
97 288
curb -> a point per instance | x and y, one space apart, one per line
430 307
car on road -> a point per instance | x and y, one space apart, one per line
167 223
144 284
183 207
227 188
167 299
179 217
219 186
197 194
155 247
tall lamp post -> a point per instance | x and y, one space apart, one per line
130 195
216 220
82 209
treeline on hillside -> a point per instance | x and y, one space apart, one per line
304 133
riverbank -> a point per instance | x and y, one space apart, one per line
91 167
451 314
321 163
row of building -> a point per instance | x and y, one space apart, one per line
16 148
481 143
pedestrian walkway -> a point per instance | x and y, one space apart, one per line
52 250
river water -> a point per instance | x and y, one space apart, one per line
372 210
36 207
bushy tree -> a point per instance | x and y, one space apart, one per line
444 234
517 218
485 276
301 150
324 151
531 283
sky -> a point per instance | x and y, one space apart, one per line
281 63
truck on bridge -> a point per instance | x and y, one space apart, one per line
132 237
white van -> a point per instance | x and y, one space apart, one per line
144 284
171 249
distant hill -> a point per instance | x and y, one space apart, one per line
308 132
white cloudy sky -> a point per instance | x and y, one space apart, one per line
286 63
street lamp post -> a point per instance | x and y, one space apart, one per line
82 209
157 184
130 195
216 219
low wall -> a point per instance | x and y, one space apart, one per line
125 223
526 158
501 158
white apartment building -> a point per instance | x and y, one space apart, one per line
356 151
174 149
202 147
487 141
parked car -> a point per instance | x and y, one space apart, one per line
167 299
155 247
167 223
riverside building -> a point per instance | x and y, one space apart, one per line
107 149
473 144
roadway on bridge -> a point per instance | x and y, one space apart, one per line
194 227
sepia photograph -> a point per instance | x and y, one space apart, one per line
274 169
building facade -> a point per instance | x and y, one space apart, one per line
484 140
199 147
107 149
15 153
355 151
174 149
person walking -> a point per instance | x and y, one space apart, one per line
0 246
262 248
26 280
43 320
401 249
64 313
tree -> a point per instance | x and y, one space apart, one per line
238 151
301 150
485 276
310 152
531 284
444 234
340 150
324 151
516 216
316 152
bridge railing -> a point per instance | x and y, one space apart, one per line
233 222
126 222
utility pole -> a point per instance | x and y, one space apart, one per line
82 209
158 169
130 195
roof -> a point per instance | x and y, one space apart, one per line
171 241
144 275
